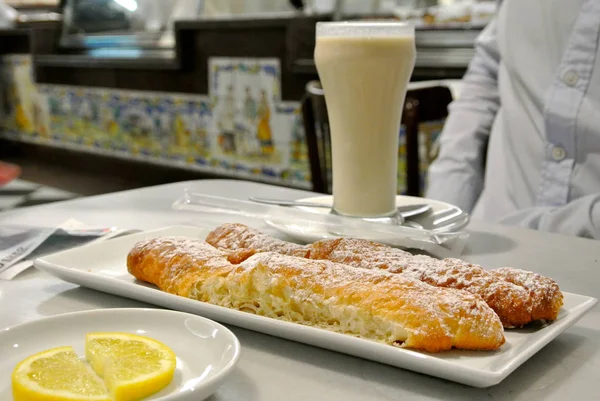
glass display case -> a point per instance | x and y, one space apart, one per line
15 13
149 23
446 29
124 23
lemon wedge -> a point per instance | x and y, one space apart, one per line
57 375
122 367
132 366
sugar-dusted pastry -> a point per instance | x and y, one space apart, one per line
371 304
515 302
517 298
545 293
176 264
246 241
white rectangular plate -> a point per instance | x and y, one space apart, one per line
102 266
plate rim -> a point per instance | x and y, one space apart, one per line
486 378
417 198
464 218
215 379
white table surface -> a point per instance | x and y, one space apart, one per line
274 369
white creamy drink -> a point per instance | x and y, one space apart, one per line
364 69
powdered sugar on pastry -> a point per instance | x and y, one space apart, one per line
376 304
512 303
517 299
181 258
238 237
371 304
545 293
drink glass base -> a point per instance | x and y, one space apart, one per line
395 218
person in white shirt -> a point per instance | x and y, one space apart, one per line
521 145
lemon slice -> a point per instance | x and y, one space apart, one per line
132 366
56 375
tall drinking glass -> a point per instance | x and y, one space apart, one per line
364 69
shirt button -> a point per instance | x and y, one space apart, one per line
558 153
570 78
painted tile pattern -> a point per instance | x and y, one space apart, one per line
241 128
260 138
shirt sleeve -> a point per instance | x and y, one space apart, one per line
456 176
580 218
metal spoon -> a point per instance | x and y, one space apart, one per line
404 211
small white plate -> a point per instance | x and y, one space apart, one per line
206 351
443 218
102 267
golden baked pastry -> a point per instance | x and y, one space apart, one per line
545 293
370 304
246 241
518 297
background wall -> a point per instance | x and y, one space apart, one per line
241 128
229 131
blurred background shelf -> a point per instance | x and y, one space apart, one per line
107 53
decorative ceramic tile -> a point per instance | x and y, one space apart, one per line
244 93
192 142
247 82
241 128
270 79
109 109
71 115
289 120
20 99
137 124
164 110
221 76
